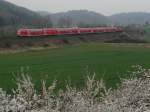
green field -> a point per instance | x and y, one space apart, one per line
108 61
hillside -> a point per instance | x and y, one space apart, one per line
130 18
11 15
79 18
90 18
43 13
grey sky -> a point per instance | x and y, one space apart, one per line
106 7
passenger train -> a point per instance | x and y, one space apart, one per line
24 32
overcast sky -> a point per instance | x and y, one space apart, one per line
106 7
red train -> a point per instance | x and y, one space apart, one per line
65 31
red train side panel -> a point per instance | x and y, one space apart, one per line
49 31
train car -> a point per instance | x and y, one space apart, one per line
65 31
29 32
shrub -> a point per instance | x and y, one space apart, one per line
133 95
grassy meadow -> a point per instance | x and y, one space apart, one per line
108 61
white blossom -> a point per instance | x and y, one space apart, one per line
132 95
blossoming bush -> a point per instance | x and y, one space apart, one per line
132 95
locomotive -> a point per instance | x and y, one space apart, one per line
24 32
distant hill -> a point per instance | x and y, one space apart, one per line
85 17
43 13
130 18
11 15
79 18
